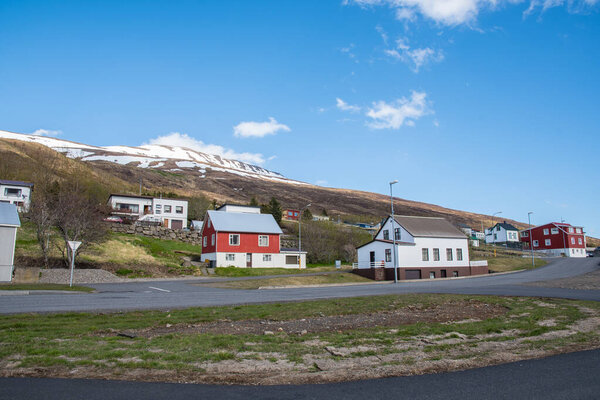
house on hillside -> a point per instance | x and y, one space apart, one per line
290 214
17 193
170 213
239 236
502 233
426 247
466 229
9 222
556 239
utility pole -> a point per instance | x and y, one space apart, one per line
393 234
531 238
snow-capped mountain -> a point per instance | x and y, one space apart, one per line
168 158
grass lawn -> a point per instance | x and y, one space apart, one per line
191 344
43 286
293 281
505 264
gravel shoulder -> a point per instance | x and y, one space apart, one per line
589 281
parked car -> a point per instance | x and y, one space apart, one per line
113 218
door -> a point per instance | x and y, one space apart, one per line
176 224
166 222
443 273
372 258
413 274
249 260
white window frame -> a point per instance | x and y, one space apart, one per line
18 193
579 241
459 255
263 240
397 234
525 234
230 257
234 235
388 255
548 242
546 231
178 209
212 240
267 258
432 275
449 252
436 254
536 243
570 229
424 254
572 240
167 208
204 241
386 234
554 231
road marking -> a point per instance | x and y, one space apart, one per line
156 288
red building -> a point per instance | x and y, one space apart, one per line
291 215
240 236
555 239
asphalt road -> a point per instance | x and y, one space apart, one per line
187 293
564 377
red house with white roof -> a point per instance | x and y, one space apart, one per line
240 236
555 239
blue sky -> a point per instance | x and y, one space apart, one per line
471 104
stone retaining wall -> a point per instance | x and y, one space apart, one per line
159 232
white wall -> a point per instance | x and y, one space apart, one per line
25 196
501 236
277 260
411 255
8 235
160 211
140 202
404 235
240 209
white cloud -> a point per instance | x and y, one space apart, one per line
416 58
46 132
342 105
184 140
259 129
321 182
400 112
458 12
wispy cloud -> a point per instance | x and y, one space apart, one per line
348 50
393 115
184 140
321 182
259 129
46 132
342 105
415 58
459 12
403 111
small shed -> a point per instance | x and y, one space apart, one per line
9 222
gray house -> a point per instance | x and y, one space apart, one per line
9 222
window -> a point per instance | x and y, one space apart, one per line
432 275
290 213
570 230
295 214
449 254
204 241
536 243
498 228
234 239
495 237
455 274
130 208
525 234
554 231
263 240
11 192
266 257
209 223
579 241
397 233
459 254
578 230
436 254
229 257
546 232
547 242
572 240
442 273
212 240
291 260
178 209
167 209
425 254
388 255
386 235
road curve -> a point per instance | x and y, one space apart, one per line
187 293
565 377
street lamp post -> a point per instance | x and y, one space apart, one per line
300 235
530 238
393 234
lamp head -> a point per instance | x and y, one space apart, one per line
393 182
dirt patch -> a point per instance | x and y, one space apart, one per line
446 312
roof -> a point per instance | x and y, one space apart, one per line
429 227
399 243
133 196
9 215
505 226
243 222
237 205
15 183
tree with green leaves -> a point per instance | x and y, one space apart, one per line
253 202
307 215
274 208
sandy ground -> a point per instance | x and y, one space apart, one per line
589 281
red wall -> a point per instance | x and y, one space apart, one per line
248 243
537 233
208 232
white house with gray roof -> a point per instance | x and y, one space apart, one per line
17 193
9 222
426 247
